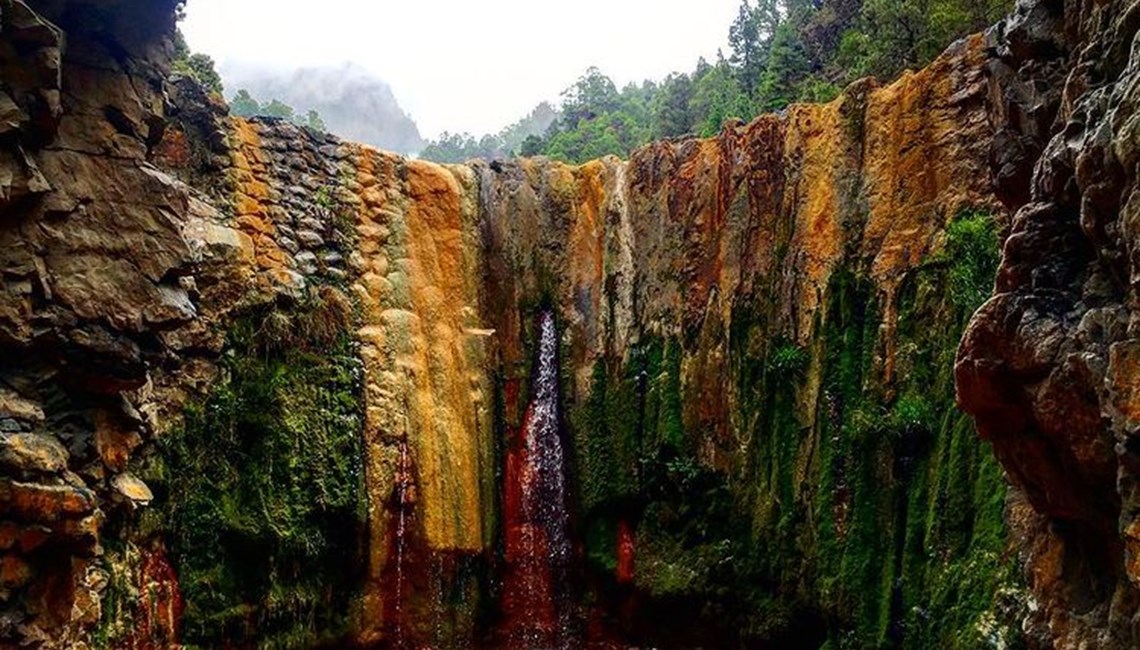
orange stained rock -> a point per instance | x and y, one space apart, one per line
381 419
814 156
689 231
763 152
173 151
587 264
695 198
114 440
445 409
46 503
587 232
925 163
424 370
251 182
1124 380
925 159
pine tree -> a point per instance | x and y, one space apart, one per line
672 115
244 104
788 65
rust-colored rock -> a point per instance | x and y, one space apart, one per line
32 453
1049 366
14 571
33 502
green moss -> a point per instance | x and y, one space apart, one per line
915 499
607 438
261 490
636 462
858 507
116 605
601 543
690 533
875 506
663 419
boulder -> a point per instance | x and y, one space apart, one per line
32 453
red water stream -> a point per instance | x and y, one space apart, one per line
536 597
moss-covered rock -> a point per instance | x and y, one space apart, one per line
863 507
260 493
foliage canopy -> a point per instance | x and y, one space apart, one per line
779 52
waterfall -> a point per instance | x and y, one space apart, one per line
536 597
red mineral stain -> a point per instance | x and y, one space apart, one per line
160 602
625 553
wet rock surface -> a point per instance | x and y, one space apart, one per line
96 264
1046 365
764 303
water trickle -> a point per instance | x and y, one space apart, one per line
405 499
538 547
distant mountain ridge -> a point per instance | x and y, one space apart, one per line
354 103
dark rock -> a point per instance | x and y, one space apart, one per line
315 225
1047 367
306 262
310 239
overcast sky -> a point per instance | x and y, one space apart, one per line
466 65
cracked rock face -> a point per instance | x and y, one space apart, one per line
1048 366
98 251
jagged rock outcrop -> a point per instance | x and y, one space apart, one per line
1047 364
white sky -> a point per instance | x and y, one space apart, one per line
466 65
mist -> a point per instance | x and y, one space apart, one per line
354 103
457 65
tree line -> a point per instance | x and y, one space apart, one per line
245 105
779 52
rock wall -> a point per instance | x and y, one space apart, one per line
1047 366
258 384
99 254
757 346
751 327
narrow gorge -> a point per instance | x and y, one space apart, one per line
852 375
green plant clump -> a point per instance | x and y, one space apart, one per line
972 255
788 361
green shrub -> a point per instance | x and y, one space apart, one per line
911 412
972 252
787 361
